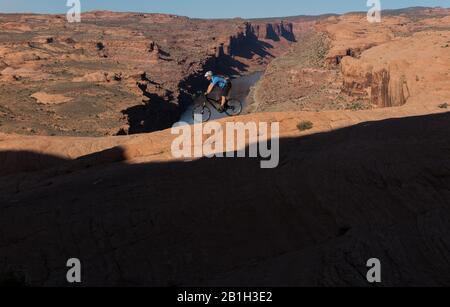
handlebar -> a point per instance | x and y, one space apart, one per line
196 95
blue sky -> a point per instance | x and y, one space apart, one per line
213 9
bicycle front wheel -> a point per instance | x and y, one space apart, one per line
234 107
201 112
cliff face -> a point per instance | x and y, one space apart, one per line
273 31
401 61
348 63
384 87
389 78
249 33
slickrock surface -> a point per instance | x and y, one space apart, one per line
135 216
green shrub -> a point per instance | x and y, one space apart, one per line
305 125
355 106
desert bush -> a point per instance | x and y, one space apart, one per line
305 125
355 106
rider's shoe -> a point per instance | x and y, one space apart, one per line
221 109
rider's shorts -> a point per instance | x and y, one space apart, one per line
226 90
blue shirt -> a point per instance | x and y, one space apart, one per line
219 81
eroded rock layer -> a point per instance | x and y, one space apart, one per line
348 63
119 72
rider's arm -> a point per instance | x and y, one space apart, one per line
210 89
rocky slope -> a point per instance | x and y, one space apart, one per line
374 70
352 64
90 79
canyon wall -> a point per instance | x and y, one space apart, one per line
389 78
402 60
256 39
384 87
119 73
346 63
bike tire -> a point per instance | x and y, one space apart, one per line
203 111
234 107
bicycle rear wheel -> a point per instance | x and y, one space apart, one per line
201 112
234 107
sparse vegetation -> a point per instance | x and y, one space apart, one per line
444 106
355 106
100 46
305 125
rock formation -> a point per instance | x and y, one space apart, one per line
154 52
387 77
256 31
105 57
402 61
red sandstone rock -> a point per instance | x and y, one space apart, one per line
403 61
173 51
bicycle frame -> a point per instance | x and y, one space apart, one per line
232 110
211 101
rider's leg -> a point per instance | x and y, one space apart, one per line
224 101
222 104
225 94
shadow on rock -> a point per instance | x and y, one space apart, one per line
373 190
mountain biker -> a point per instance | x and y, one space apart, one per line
224 84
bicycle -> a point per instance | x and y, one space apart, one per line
234 107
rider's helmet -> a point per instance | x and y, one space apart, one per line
209 74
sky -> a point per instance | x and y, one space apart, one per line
213 8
